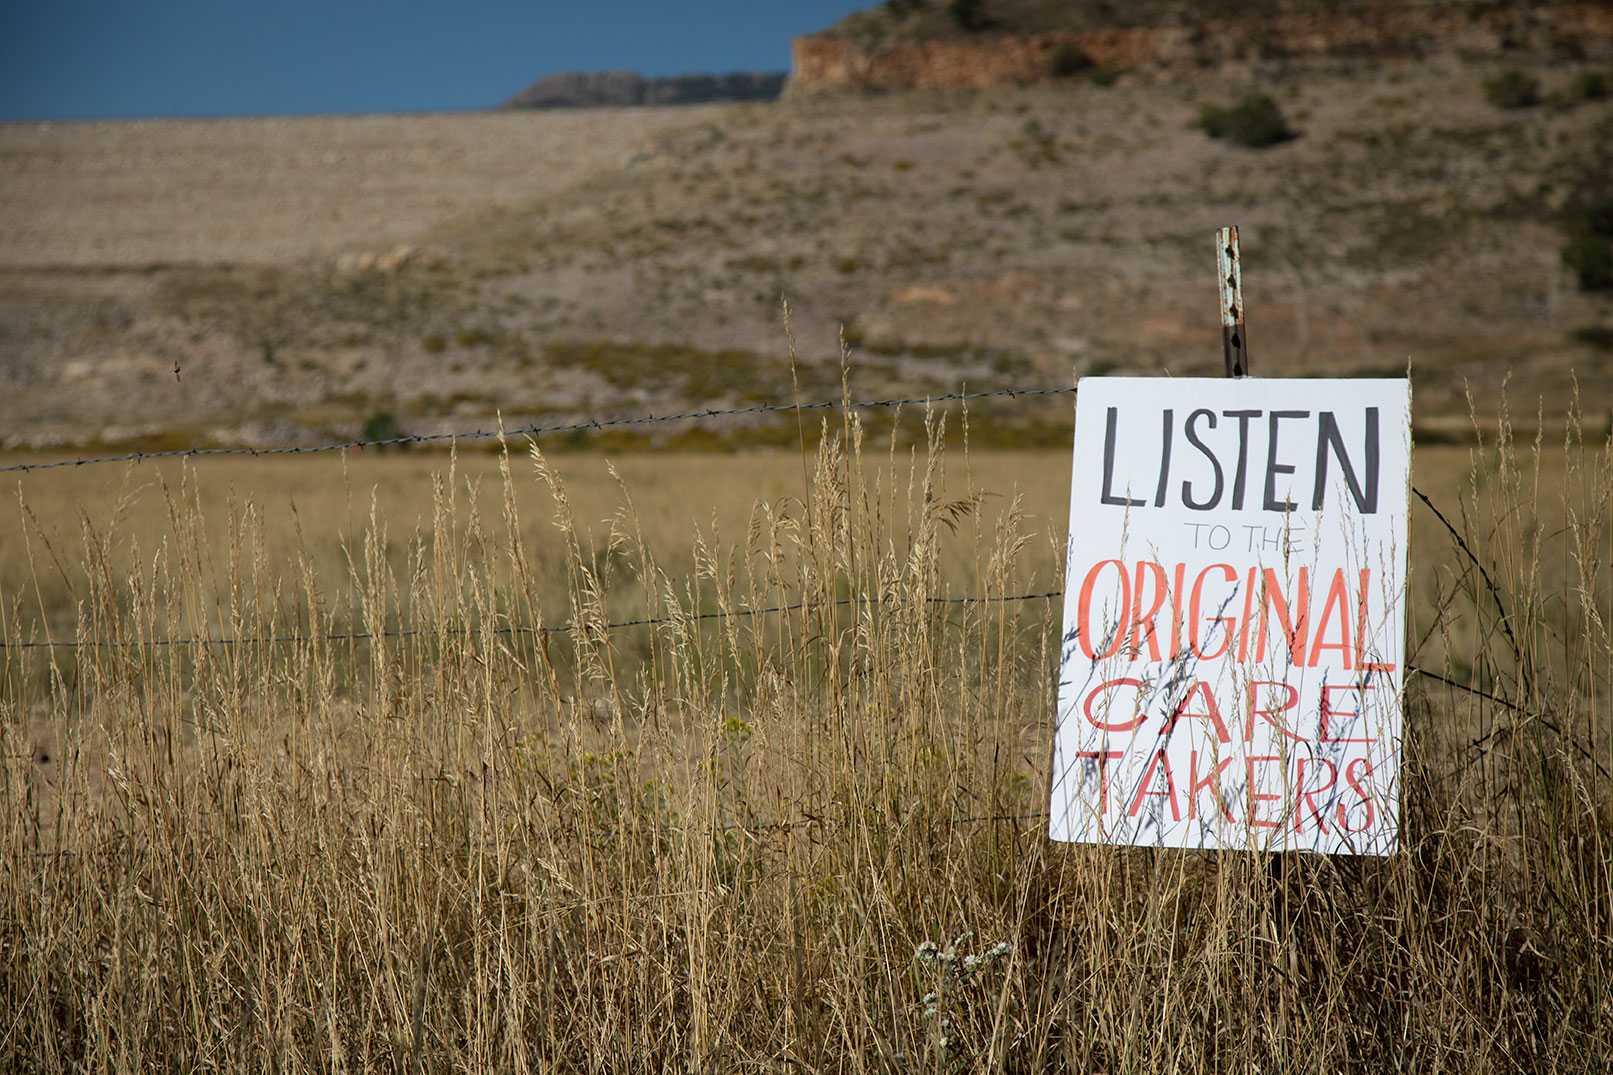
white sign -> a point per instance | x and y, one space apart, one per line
1234 626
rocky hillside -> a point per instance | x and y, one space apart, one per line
941 44
624 89
272 282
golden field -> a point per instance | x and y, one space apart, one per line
724 746
720 845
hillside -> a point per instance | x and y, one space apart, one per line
309 276
950 44
941 20
625 89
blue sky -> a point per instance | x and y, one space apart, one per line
69 59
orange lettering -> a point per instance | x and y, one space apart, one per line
1128 726
1084 611
1159 762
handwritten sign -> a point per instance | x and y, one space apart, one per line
1234 627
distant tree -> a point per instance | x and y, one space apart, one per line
1591 259
905 7
1589 86
1069 60
1254 123
1513 89
1589 250
382 425
969 14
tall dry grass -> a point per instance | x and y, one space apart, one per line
800 841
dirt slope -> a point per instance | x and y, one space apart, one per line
307 275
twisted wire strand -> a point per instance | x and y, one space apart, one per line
592 425
518 629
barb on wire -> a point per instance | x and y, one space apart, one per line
780 827
638 420
362 636
554 629
591 425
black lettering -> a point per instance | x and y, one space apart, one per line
1274 468
1328 436
1243 454
1193 439
1109 465
1164 459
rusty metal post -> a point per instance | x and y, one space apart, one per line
1229 263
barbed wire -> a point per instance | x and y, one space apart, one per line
553 629
753 828
595 425
616 625
534 431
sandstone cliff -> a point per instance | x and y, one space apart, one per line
838 60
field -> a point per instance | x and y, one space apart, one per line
723 844
725 745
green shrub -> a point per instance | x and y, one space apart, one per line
1107 76
1591 258
1589 86
1599 337
434 344
474 337
382 425
1589 251
970 15
1069 60
1513 89
1254 122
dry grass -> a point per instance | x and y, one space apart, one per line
720 845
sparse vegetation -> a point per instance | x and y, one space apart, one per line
683 371
1512 90
1599 337
1037 144
1589 86
1069 60
1590 256
1589 250
381 425
696 243
1255 122
970 15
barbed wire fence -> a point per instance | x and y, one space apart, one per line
535 431
546 629
504 434
754 829
595 425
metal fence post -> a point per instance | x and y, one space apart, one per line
1234 339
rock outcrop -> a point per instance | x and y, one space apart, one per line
624 89
830 61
